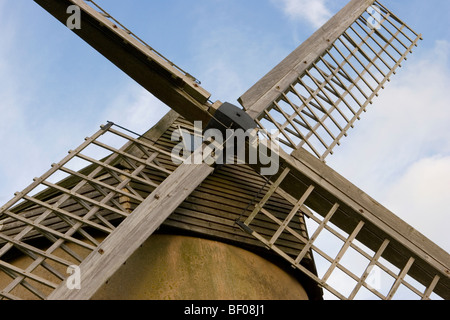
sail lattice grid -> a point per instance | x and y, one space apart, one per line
355 258
304 212
64 215
319 108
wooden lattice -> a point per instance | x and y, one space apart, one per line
320 106
56 224
348 268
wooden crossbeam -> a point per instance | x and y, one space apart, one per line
37 216
262 94
153 72
99 266
378 221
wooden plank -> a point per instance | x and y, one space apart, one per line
209 227
368 269
343 251
429 291
399 279
98 267
379 221
262 94
158 76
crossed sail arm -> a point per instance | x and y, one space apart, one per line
95 218
340 77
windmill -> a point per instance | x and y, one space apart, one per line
91 221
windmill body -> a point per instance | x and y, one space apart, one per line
98 218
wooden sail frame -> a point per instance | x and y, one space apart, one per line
310 187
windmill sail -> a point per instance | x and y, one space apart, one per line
109 202
351 235
316 95
75 215
312 99
61 225
161 77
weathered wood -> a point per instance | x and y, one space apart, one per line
380 223
399 279
338 183
151 71
262 94
352 209
135 230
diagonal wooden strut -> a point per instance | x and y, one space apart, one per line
261 95
98 267
159 76
328 60
317 94
357 222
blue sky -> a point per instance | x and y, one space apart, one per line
55 90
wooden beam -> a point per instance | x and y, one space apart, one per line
173 87
101 264
380 223
263 93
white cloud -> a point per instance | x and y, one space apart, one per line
230 59
17 143
136 109
409 121
421 196
315 12
396 152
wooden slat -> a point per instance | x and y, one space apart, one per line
145 219
261 95
45 230
291 215
399 279
366 272
313 238
267 196
150 70
430 288
31 276
343 250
